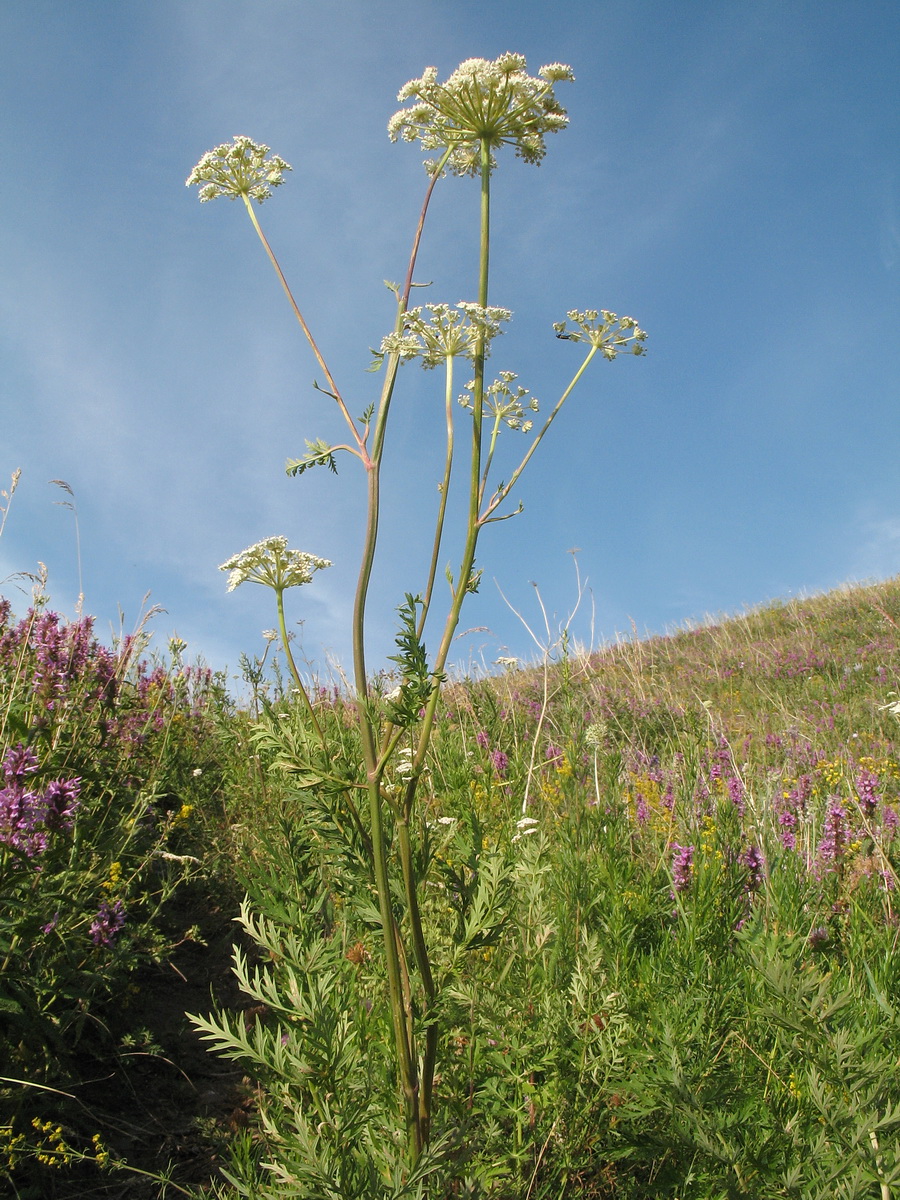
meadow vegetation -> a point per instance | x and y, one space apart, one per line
659 884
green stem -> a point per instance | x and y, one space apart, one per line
303 325
423 963
401 1009
501 494
460 591
442 508
285 641
489 457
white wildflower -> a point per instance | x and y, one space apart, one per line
238 168
270 562
604 330
483 100
525 826
438 332
502 403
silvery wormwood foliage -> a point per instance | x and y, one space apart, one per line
437 332
604 330
486 100
238 168
271 563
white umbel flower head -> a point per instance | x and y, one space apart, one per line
437 332
271 563
502 403
491 100
238 168
604 330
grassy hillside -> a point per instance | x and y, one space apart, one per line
661 899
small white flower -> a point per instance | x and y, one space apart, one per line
525 826
404 765
197 772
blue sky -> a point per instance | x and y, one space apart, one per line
730 177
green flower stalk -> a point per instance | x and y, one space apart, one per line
273 565
243 169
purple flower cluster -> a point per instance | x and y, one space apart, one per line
29 816
500 762
682 867
108 923
752 860
834 839
65 673
63 656
867 791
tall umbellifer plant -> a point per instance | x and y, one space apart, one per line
465 122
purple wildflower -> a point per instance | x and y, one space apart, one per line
641 810
553 754
19 761
61 799
834 839
818 937
752 859
736 793
22 818
500 762
682 867
867 791
482 739
108 923
788 822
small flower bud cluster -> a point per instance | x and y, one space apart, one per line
502 403
609 333
270 562
494 101
238 168
437 332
